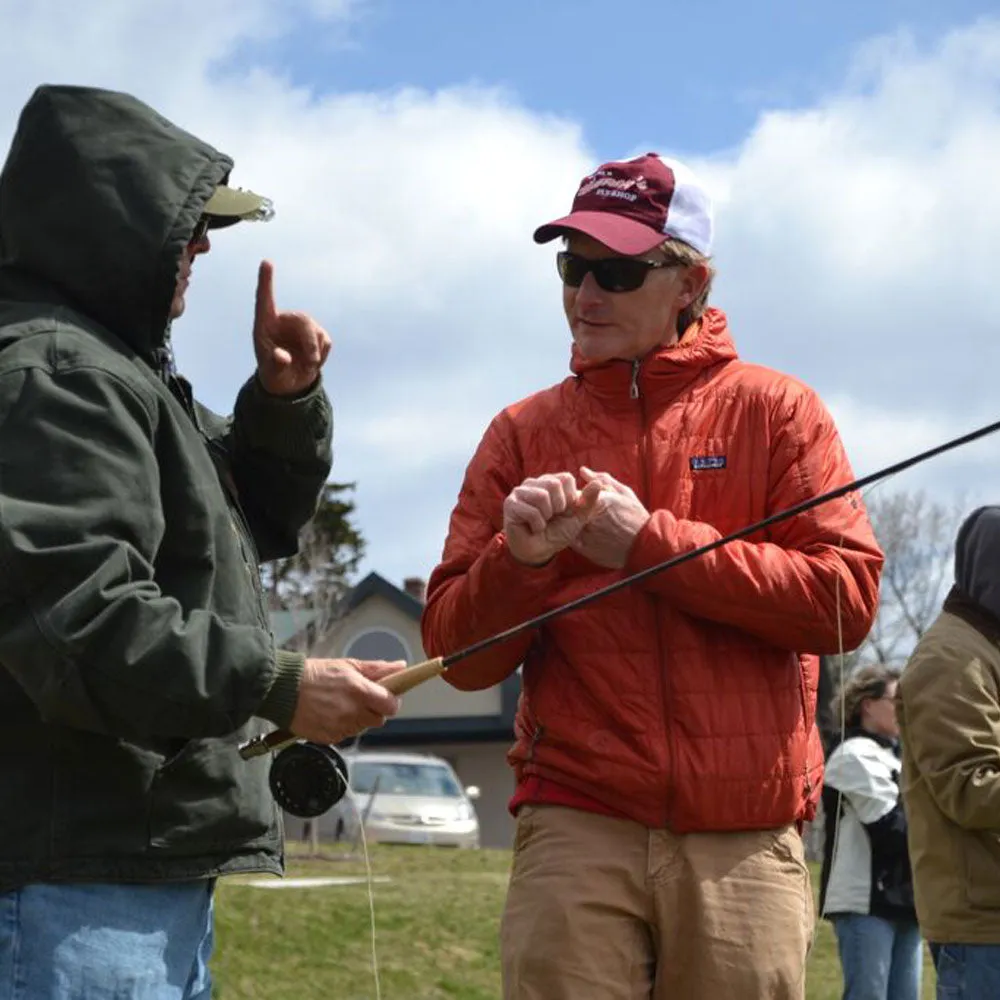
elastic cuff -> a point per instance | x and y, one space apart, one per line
288 426
279 703
294 398
648 549
518 578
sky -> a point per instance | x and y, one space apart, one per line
412 146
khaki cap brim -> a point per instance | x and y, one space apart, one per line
231 205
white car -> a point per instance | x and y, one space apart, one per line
405 799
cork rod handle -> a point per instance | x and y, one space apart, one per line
399 683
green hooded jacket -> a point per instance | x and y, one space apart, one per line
135 649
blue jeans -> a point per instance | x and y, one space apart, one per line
881 959
967 971
97 941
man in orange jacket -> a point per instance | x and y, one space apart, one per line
666 753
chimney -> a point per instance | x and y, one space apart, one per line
416 587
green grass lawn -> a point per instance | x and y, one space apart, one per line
436 922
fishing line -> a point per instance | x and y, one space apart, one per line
369 876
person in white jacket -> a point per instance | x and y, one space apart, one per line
866 885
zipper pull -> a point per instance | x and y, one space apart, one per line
633 389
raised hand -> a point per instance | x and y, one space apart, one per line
291 347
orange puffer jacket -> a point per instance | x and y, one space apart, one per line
686 701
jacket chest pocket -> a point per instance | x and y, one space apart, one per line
713 482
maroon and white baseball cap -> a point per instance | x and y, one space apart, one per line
634 205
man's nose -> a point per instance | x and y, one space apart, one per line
590 290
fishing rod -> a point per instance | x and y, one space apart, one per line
417 674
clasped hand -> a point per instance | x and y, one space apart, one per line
549 513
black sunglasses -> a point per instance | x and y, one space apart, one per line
200 230
613 274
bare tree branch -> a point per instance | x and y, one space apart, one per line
917 536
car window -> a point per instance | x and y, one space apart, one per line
404 779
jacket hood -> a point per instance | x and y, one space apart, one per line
977 558
706 342
99 196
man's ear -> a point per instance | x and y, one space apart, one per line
693 282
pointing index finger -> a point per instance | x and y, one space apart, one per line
265 307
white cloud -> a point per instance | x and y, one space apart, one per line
857 239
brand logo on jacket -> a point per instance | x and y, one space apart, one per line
699 462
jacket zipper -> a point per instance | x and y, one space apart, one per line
635 393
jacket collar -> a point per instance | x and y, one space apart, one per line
665 372
961 605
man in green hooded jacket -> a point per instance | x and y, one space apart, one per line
135 649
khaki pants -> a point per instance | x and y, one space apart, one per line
605 909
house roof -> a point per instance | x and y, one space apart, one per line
286 625
374 585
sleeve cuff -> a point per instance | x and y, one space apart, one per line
289 426
648 548
515 582
279 703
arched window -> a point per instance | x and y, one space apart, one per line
378 644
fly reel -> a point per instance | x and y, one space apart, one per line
307 779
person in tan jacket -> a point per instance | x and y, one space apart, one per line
948 706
